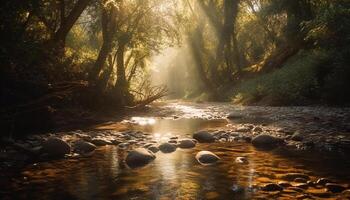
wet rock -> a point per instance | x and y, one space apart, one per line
148 145
154 149
242 160
84 147
116 142
293 176
172 141
100 142
297 189
123 145
300 180
243 129
186 144
301 185
206 157
346 193
335 188
139 157
257 129
266 141
323 181
203 136
303 196
319 193
297 136
234 115
167 147
56 147
271 187
284 184
83 136
132 142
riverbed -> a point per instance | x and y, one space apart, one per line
178 175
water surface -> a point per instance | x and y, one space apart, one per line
177 175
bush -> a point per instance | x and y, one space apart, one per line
296 83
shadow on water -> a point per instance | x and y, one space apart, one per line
177 175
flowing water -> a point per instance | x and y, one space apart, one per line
176 175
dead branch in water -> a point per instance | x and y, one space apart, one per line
146 94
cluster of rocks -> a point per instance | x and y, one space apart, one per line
75 143
301 183
322 128
142 156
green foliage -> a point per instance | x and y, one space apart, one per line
294 83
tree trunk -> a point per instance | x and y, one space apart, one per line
121 80
227 30
68 22
108 20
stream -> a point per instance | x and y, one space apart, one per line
178 175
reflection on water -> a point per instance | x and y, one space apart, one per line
173 176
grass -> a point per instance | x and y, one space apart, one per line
296 83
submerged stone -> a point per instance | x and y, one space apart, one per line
167 147
84 147
154 149
204 137
323 181
266 141
206 157
293 176
56 147
186 143
271 187
139 157
335 188
100 142
242 160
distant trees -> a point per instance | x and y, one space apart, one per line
108 43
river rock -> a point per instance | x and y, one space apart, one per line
56 147
297 136
206 157
123 145
84 147
242 160
319 193
266 141
293 176
186 144
284 184
243 129
257 129
301 185
323 181
203 136
139 157
100 142
154 149
335 188
234 115
271 187
167 147
300 180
